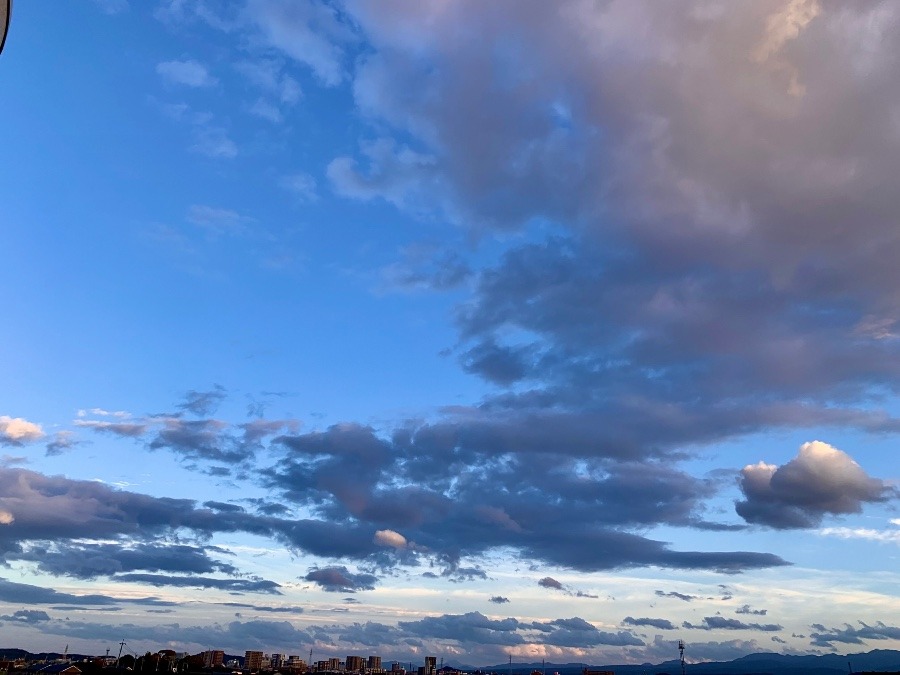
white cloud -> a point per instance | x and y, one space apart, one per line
821 479
189 73
390 538
6 518
302 185
16 431
264 110
869 534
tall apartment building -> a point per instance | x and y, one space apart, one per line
213 658
373 665
334 664
276 660
253 660
430 665
354 664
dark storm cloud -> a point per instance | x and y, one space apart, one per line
202 403
821 480
662 624
722 623
254 585
826 637
341 580
674 594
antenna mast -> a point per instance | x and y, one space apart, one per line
681 652
119 657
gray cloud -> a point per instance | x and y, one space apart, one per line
341 580
827 637
662 624
28 616
675 594
722 623
88 561
550 582
202 403
821 480
498 599
253 585
746 609
26 594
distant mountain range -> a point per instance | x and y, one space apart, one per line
880 660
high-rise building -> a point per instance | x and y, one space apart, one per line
253 660
213 658
354 664
374 664
334 664
276 660
430 665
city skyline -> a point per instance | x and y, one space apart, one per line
556 330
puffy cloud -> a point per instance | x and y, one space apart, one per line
29 616
550 582
340 580
390 538
18 431
746 609
821 480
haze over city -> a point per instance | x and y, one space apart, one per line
545 330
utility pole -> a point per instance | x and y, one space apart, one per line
119 657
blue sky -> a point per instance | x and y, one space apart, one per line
560 330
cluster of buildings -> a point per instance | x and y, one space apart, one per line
255 661
169 661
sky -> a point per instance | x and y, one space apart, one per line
553 330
